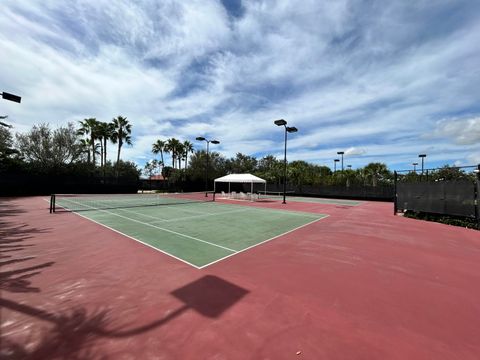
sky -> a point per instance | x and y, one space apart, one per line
381 80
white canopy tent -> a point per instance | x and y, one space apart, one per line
240 178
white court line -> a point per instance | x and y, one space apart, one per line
205 215
157 219
220 259
289 212
263 242
140 241
160 228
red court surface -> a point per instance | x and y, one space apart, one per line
359 284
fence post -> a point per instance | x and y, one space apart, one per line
395 193
477 197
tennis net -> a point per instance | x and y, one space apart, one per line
86 202
272 195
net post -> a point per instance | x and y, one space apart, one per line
395 206
213 195
52 203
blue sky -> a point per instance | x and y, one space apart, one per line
381 80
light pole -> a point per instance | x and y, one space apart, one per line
423 156
335 165
341 153
201 138
415 167
288 129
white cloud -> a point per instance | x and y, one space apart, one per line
353 151
460 131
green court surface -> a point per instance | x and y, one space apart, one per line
201 234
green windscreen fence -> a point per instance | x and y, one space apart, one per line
456 197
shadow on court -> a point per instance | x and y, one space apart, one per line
12 245
75 333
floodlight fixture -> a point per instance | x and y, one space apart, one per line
200 138
11 97
215 142
280 122
291 129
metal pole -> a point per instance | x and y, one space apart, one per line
477 197
206 172
422 164
342 162
285 168
334 166
395 205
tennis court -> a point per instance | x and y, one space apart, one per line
189 227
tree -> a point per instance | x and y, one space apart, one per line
270 169
85 148
198 160
104 132
180 153
50 147
172 146
150 168
187 148
89 127
6 142
299 173
159 147
447 172
121 132
377 172
241 164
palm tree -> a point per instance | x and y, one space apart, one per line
85 148
105 133
89 127
121 134
376 171
187 148
172 146
159 147
180 154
